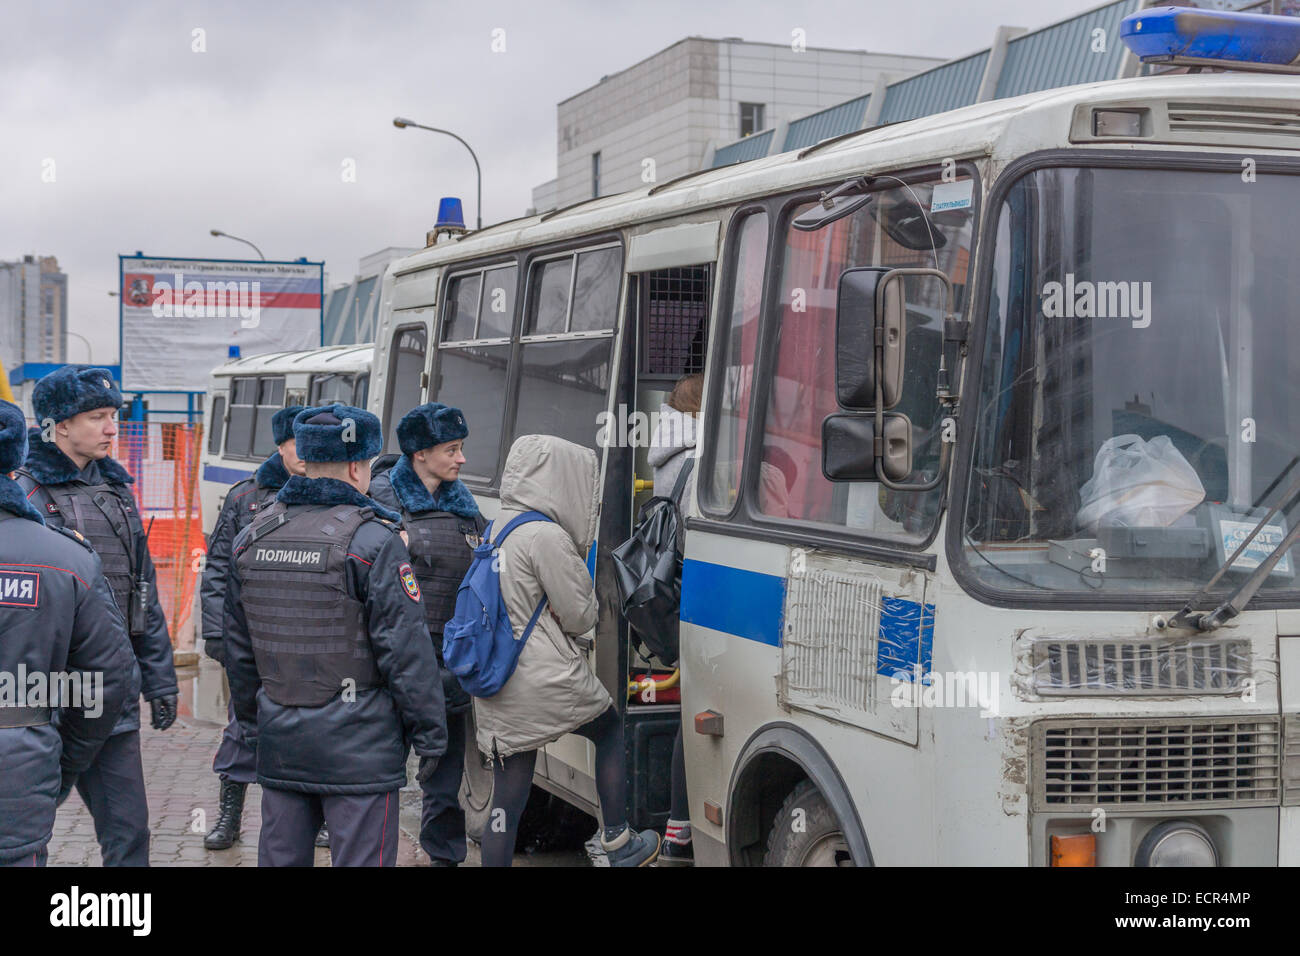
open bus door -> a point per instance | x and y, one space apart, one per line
666 339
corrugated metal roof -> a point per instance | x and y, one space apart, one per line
833 121
751 147
944 88
1062 54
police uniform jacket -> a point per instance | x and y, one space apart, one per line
49 476
443 531
244 501
351 742
57 616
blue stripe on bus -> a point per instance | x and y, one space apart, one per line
227 476
745 603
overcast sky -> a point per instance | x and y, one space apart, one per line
154 144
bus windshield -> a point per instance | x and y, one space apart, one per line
1137 408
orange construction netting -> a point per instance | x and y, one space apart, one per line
164 458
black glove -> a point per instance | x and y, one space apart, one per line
164 711
427 767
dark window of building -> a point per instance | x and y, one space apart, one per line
751 118
595 174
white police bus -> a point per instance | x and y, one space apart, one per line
1087 372
246 392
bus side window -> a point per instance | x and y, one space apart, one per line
243 405
361 391
270 399
802 390
564 381
404 375
215 422
732 385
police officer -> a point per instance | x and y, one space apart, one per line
327 653
57 617
444 525
235 762
71 480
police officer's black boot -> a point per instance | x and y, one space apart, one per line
226 832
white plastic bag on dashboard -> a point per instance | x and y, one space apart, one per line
1139 484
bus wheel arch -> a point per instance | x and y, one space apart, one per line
778 759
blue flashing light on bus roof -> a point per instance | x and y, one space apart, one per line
450 214
1213 38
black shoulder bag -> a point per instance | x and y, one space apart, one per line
648 569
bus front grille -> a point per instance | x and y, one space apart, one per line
1162 666
1135 762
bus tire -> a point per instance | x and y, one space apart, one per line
806 832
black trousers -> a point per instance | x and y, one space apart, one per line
442 821
235 759
113 789
31 859
363 828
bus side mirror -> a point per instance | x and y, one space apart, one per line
849 447
865 303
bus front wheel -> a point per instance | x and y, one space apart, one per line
806 832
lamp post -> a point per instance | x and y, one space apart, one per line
402 123
90 355
218 232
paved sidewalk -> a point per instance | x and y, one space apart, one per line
182 793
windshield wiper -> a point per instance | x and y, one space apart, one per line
1240 597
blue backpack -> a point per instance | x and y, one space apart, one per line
478 643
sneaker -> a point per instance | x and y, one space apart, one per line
677 854
630 848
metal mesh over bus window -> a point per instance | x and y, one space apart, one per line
677 315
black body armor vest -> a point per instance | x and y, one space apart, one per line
440 556
308 633
106 516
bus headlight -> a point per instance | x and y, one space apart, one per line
1175 843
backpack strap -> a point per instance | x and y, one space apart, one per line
680 484
525 518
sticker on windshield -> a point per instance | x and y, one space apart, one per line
1269 537
952 195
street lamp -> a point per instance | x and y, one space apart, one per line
218 232
402 123
90 355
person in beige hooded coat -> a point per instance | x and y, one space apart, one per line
552 691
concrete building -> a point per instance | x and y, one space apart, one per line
351 308
662 117
33 312
1084 48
